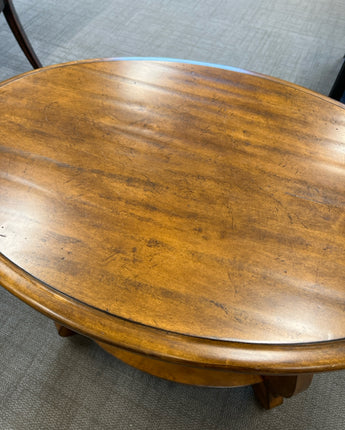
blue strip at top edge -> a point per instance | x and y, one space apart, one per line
178 60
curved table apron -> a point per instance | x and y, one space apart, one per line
187 217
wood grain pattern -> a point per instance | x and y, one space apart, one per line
179 211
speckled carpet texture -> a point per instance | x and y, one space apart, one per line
47 382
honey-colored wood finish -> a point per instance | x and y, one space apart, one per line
192 375
178 214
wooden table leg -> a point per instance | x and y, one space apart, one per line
64 331
271 392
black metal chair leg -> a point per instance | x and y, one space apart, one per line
18 31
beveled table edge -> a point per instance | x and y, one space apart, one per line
245 357
167 346
175 60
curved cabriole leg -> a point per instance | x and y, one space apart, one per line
64 331
271 392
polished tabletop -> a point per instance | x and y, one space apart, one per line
180 210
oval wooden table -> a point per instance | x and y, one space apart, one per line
189 218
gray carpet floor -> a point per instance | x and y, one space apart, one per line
47 382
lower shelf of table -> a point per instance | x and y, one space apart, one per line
270 390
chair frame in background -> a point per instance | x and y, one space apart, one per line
6 6
338 90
